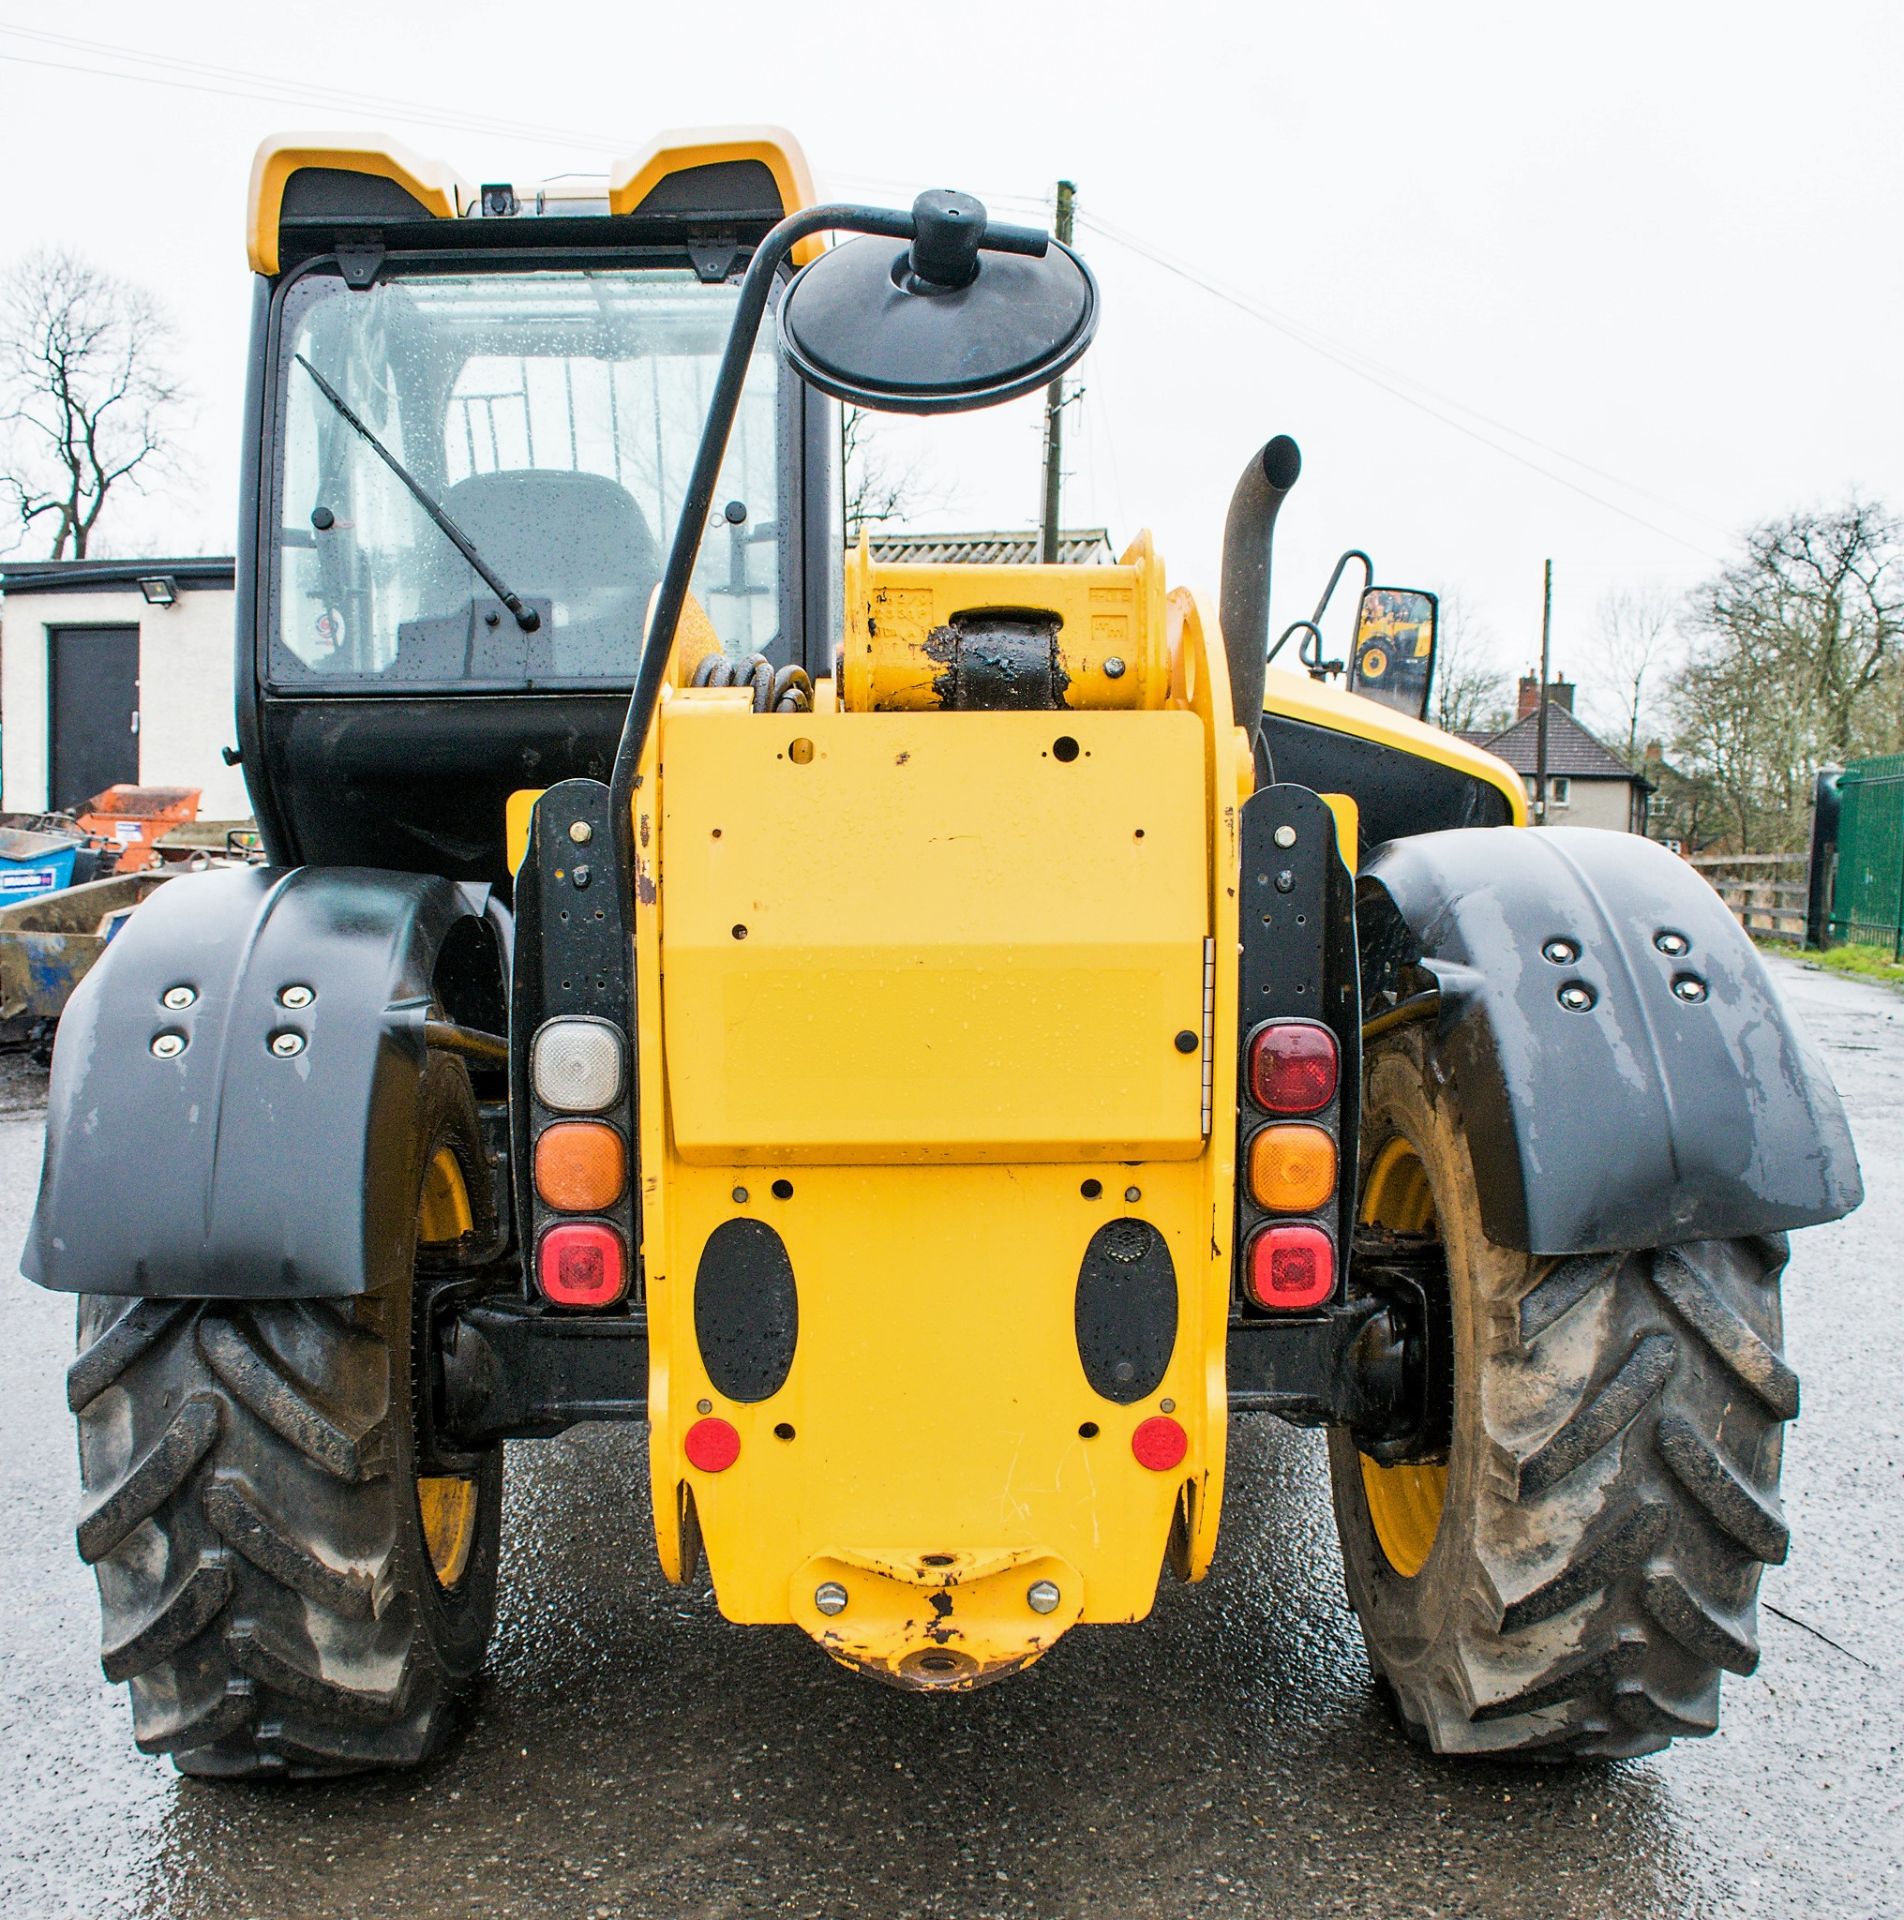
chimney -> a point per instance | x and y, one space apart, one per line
1559 692
1654 755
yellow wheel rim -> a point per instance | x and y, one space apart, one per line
1404 1502
446 1503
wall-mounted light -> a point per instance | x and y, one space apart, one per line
160 589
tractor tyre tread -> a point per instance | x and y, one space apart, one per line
251 1519
1598 1560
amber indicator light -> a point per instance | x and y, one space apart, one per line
1292 1169
581 1166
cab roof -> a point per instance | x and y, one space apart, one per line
312 192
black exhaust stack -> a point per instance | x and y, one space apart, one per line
1244 606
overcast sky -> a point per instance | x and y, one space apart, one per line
1604 283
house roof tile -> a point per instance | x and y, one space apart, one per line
1571 749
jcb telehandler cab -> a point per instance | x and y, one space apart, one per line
936 1043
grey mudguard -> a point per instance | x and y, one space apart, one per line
231 1170
1652 1117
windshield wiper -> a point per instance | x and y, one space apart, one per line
526 617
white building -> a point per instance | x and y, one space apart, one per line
117 670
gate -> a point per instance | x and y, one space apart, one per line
1867 896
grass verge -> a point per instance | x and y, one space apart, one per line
1862 963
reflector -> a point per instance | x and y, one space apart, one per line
1159 1443
1293 1068
1291 1268
711 1445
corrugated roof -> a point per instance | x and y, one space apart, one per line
1571 749
1078 547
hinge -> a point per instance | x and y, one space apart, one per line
1209 1033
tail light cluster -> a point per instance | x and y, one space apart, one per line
579 1161
1291 1170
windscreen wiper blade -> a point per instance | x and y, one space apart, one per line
526 617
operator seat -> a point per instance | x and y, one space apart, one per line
576 542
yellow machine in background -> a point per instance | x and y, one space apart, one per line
935 1042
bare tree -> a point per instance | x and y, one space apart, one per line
876 490
1470 690
1635 638
87 399
1797 658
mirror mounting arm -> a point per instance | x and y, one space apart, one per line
751 307
1328 592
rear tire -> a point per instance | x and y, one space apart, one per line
252 1511
1611 1494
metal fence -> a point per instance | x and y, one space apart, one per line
1867 895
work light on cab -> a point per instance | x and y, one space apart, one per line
580 1264
1291 1267
1293 1067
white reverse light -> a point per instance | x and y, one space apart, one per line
575 1066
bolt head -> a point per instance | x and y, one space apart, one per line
1042 1596
1133 1194
1285 836
830 1598
1113 668
581 832
287 1045
297 997
1690 988
1563 953
1667 941
1576 997
168 1046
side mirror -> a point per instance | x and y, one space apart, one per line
967 316
1394 659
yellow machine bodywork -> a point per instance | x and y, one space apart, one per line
911 986
912 993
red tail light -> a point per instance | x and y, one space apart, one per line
1293 1068
1291 1267
580 1264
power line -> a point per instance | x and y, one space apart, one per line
173 72
1348 360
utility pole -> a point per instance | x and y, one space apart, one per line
1054 406
1540 724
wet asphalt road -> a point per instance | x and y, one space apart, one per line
632 1754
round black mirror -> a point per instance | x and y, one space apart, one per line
942 326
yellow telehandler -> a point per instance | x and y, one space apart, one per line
935 1042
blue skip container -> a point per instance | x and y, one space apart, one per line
32 864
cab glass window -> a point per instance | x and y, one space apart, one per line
553 417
